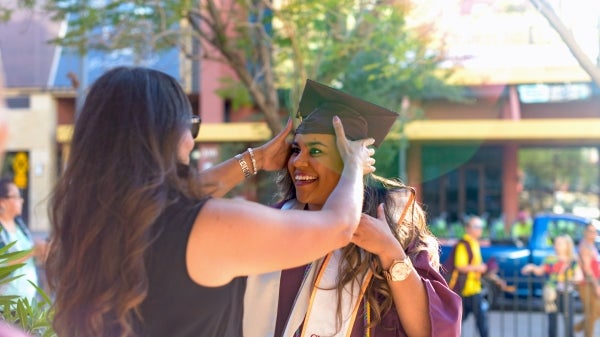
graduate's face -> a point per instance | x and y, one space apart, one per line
315 166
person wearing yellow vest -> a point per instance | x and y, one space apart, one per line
474 267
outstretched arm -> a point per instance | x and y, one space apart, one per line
220 179
235 237
532 268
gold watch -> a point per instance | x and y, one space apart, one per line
399 270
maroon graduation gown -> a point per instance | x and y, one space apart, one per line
445 307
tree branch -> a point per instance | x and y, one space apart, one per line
565 34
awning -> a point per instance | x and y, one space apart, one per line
582 130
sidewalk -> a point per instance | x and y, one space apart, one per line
518 324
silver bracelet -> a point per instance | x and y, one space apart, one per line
253 161
243 165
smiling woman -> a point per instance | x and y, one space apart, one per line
372 278
315 166
315 163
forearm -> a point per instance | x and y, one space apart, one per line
468 268
346 200
218 180
410 298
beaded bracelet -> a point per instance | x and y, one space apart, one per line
253 160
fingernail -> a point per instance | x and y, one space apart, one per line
336 119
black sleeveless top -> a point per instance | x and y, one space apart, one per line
176 305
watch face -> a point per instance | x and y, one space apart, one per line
400 270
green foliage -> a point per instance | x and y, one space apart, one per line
364 47
32 317
550 168
110 25
236 92
7 9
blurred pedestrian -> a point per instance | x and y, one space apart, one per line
468 260
521 229
13 230
589 287
560 269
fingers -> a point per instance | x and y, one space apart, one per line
285 132
273 154
288 128
369 166
358 150
338 128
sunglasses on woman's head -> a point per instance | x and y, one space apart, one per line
195 125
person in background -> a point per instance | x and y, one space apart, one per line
386 283
589 287
13 230
521 229
474 267
560 270
6 330
138 248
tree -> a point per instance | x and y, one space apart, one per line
362 45
565 34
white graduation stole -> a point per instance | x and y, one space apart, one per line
262 297
321 317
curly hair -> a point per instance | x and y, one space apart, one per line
407 221
121 169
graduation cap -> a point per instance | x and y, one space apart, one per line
361 119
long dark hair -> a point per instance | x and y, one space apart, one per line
121 167
407 220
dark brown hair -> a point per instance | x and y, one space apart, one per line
411 231
122 165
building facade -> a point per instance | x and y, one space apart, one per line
524 91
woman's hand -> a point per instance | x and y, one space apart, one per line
354 151
273 155
374 235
